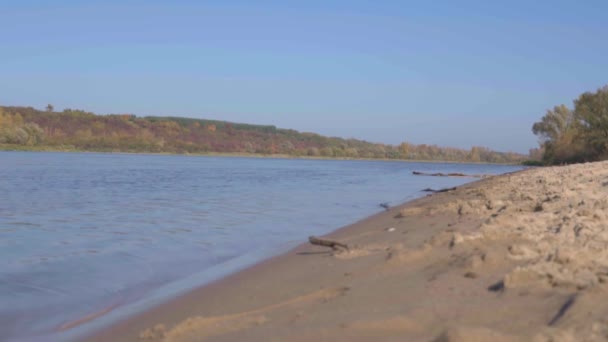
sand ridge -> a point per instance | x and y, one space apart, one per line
558 218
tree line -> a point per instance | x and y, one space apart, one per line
78 130
575 135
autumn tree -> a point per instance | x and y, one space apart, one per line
474 155
404 150
591 112
554 124
558 132
569 136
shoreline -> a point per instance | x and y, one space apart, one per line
115 332
99 334
516 257
112 314
138 326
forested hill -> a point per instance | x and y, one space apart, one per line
76 130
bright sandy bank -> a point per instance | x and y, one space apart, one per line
519 257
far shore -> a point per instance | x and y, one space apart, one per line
516 257
8 148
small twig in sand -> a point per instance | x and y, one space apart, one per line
562 310
327 243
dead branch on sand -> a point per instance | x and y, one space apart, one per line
327 243
440 190
453 174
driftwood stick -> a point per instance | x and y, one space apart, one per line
326 243
452 174
440 190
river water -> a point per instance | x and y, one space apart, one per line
84 232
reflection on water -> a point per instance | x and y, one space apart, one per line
80 232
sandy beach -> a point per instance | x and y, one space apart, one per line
517 257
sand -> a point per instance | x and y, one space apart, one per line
518 257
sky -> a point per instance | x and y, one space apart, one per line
453 73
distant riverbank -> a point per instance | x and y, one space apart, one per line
71 149
26 128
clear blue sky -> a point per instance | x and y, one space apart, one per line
458 73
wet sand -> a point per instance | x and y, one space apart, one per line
518 257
